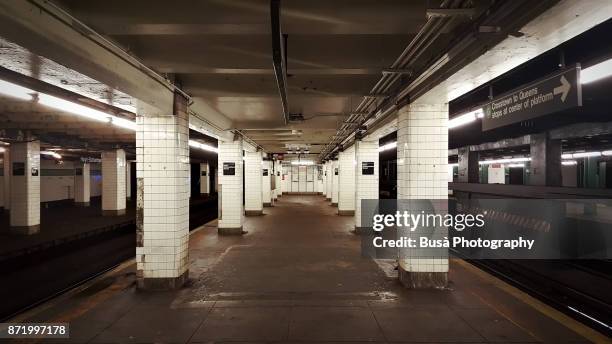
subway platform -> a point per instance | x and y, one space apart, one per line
298 276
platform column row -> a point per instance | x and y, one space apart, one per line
82 190
366 176
266 183
204 179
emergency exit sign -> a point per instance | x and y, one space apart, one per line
556 92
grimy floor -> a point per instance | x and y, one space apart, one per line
297 276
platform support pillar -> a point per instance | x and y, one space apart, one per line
231 210
277 179
545 161
204 179
366 184
82 184
253 195
113 182
335 185
266 183
162 196
25 188
324 168
346 182
6 165
128 180
467 166
422 174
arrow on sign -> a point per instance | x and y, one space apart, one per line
563 89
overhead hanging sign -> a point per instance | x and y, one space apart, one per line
556 92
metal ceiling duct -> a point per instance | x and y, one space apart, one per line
279 60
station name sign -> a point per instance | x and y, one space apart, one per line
556 92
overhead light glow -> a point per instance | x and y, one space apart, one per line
388 146
585 155
516 165
2 150
15 91
465 118
203 146
569 162
302 162
504 161
596 72
607 153
52 154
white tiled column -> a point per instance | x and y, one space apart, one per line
162 206
366 152
128 180
230 188
277 179
266 184
25 187
113 182
422 163
330 179
324 166
82 182
335 182
253 198
204 179
6 163
346 182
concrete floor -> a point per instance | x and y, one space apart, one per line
298 276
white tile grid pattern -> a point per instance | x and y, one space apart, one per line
330 179
113 180
422 162
204 180
6 162
335 185
128 179
253 166
367 185
162 154
346 179
324 187
82 189
25 190
230 206
266 182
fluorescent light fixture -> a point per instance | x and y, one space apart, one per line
596 72
203 146
566 156
504 161
466 118
607 153
15 91
569 162
52 154
388 146
302 162
2 150
585 155
516 165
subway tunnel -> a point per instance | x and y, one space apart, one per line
306 171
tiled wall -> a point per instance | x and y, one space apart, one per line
162 174
6 163
367 185
253 197
335 180
422 165
230 187
266 183
204 180
324 182
113 180
346 180
277 177
25 189
82 190
329 189
128 180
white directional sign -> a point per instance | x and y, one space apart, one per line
557 92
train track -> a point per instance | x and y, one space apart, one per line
27 283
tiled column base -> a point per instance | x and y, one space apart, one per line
423 280
163 283
25 230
